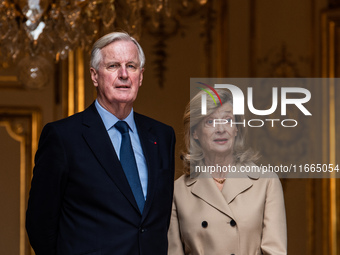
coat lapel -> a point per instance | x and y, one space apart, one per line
149 145
237 183
235 186
206 189
97 138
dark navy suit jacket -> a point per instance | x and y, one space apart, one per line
80 200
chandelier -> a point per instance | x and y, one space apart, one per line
37 32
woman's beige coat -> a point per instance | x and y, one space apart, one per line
246 218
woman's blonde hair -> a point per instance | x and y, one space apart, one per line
194 154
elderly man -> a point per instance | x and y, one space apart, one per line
103 178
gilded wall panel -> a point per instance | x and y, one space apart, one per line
19 137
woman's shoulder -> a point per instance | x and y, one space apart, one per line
181 180
184 182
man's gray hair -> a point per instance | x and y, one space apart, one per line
96 55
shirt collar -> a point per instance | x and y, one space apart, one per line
110 120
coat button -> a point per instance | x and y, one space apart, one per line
204 224
142 230
232 223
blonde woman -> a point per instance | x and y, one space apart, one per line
224 212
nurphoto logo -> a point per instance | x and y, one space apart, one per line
301 97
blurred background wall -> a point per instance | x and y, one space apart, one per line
44 76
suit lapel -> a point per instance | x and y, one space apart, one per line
206 189
97 138
150 150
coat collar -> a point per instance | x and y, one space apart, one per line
96 136
204 187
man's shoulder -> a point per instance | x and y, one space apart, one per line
70 120
145 120
73 120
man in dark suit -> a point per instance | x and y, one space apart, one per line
103 178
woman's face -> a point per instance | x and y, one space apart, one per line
217 140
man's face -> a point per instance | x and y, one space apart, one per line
119 75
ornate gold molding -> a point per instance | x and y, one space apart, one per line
330 38
23 125
71 84
10 81
76 84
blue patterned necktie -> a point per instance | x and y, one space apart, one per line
128 161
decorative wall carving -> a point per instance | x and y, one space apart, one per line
163 28
282 63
